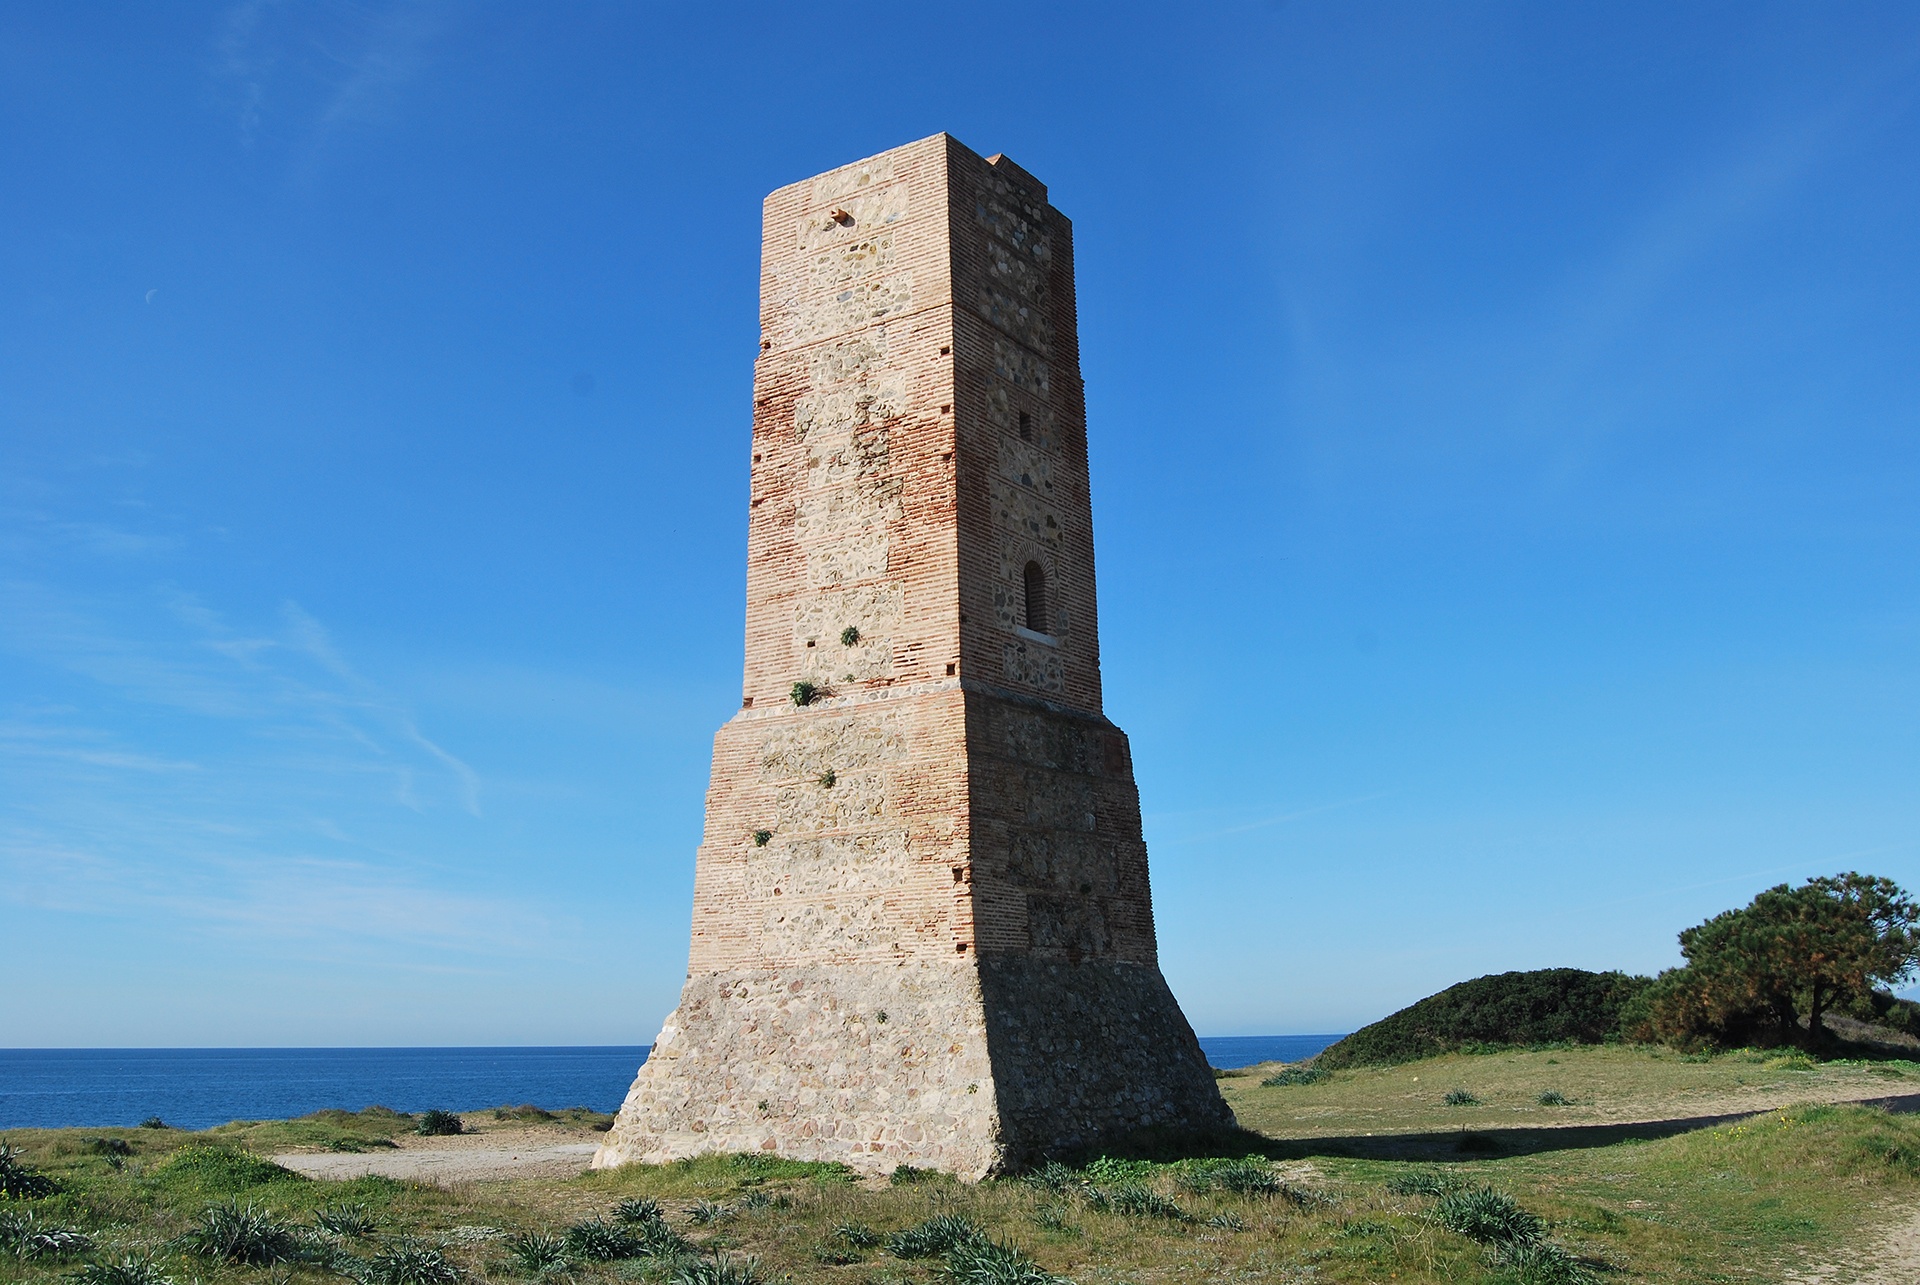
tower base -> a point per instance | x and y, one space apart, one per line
976 1067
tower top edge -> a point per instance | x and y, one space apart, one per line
999 161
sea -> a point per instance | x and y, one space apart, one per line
199 1088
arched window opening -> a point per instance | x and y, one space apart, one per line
1036 598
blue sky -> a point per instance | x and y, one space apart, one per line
1503 425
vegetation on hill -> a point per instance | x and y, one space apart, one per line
1545 1006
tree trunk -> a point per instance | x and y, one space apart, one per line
1816 1013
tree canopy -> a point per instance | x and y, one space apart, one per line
1791 954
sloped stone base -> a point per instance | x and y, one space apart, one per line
973 1068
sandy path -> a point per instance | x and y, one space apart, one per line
476 1157
1894 1259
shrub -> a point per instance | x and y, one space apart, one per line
706 1212
1299 1073
803 693
1422 1182
247 1234
1136 1200
1252 1176
221 1169
19 1180
345 1220
856 1235
131 1269
1555 1098
410 1262
154 1122
932 1238
1539 1262
539 1253
827 778
657 1240
1488 1216
761 838
718 1271
1227 1222
983 1262
602 1242
1112 1169
1546 1006
1052 1176
24 1234
1460 1098
906 1175
642 1209
849 636
439 1124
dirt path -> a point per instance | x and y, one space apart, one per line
478 1157
1892 1260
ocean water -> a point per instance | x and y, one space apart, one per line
198 1088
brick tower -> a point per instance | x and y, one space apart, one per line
922 930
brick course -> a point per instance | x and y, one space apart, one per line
922 928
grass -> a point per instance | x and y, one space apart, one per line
1743 1199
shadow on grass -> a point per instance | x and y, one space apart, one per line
1439 1146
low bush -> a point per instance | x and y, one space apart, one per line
705 1212
1422 1182
1555 1098
720 1270
24 1234
1488 1216
19 1180
410 1262
538 1253
1540 1262
1298 1073
1136 1200
803 693
602 1242
856 1236
439 1124
1460 1098
220 1170
985 1262
1112 1169
932 1238
129 1269
642 1209
1545 1006
245 1234
345 1220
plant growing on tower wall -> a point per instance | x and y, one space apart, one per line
804 692
849 636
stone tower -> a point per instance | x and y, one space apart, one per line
922 930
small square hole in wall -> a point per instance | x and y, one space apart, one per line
946 410
1026 427
809 642
959 873
746 702
756 458
950 669
945 351
960 946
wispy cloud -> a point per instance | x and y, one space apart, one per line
303 70
254 780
